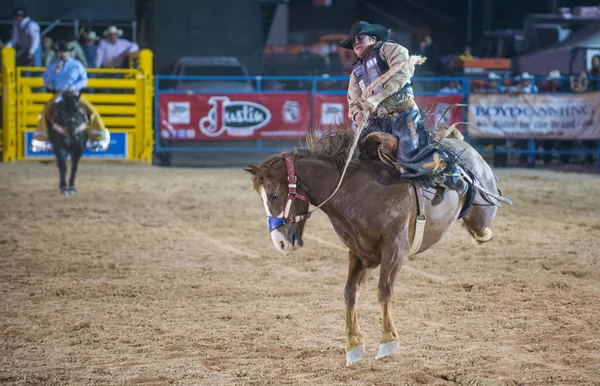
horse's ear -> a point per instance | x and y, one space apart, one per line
252 169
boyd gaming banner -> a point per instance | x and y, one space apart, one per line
570 116
234 116
331 110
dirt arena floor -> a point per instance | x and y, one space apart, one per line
155 276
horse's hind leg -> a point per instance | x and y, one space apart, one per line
355 343
75 157
61 162
478 221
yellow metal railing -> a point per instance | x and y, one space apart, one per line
123 97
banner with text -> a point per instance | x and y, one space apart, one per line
234 116
329 110
569 116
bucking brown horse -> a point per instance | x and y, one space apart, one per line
380 217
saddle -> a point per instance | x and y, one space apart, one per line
387 148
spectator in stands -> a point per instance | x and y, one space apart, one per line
112 50
273 84
431 51
90 48
450 88
594 84
527 85
492 86
552 83
75 49
466 55
48 52
26 39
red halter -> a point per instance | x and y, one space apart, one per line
285 217
292 194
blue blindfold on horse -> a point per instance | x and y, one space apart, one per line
274 222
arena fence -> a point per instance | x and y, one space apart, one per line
263 114
123 97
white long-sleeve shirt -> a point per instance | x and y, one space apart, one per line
26 35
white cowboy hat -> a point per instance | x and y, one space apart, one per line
554 74
526 75
113 30
91 36
494 76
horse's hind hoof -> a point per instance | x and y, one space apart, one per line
64 192
354 355
72 191
388 348
486 235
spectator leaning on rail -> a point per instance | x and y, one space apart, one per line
113 50
393 103
62 74
26 37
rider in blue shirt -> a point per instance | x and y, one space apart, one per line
62 74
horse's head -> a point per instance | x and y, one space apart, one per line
284 200
70 117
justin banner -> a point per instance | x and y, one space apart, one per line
234 116
568 116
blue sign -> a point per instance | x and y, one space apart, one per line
116 149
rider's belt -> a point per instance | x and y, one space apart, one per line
402 107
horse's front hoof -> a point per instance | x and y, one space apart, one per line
354 355
72 191
388 348
64 191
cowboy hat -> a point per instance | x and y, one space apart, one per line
364 28
62 47
494 76
554 74
91 36
113 30
20 12
526 76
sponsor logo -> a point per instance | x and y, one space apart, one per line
179 112
332 113
535 111
291 112
234 118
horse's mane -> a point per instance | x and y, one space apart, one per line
331 147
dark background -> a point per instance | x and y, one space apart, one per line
176 28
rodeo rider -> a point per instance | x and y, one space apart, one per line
67 73
393 104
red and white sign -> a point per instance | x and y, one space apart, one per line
269 115
234 116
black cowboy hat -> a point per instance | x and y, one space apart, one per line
19 12
364 28
62 47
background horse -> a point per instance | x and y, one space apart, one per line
68 132
374 214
